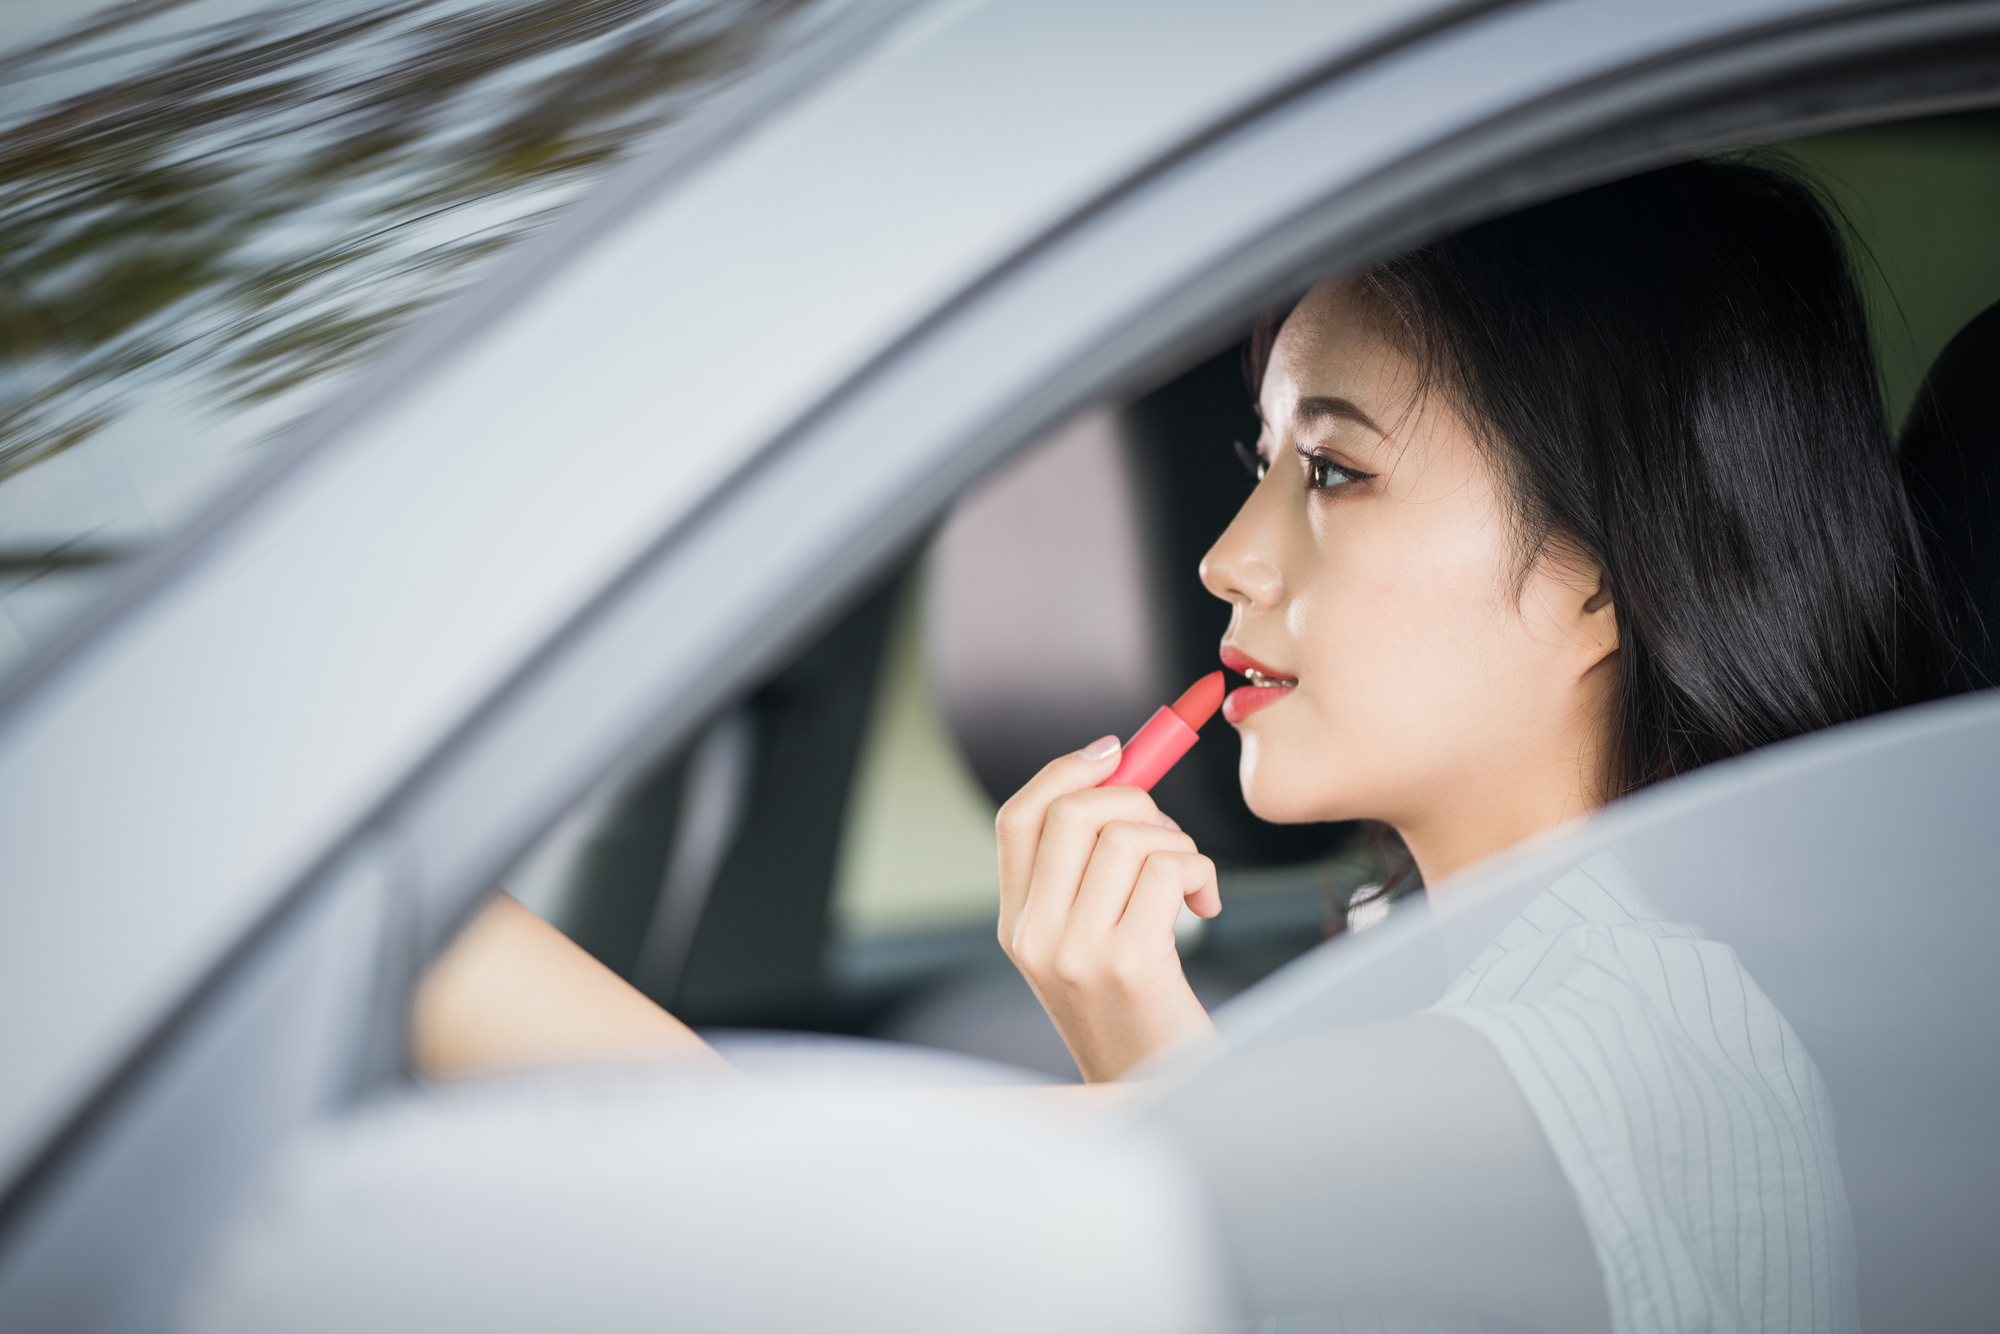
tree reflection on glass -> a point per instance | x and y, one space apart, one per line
209 209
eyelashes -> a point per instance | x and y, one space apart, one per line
1322 473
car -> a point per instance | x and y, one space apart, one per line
593 449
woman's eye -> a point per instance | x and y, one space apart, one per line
1252 460
1325 474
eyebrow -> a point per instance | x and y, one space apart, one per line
1317 408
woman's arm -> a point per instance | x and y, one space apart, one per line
512 991
1092 880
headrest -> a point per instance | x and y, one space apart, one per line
1951 460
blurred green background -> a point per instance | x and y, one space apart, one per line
1923 198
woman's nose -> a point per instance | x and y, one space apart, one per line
1240 567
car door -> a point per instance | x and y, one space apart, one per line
642 514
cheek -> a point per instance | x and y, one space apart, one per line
1395 632
1394 611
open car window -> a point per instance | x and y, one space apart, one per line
822 856
817 682
834 865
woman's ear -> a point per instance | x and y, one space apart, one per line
1576 597
1598 618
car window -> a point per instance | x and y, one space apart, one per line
215 211
1057 601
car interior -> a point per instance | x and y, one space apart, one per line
820 857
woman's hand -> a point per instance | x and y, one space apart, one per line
1092 880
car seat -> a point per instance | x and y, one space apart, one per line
1951 460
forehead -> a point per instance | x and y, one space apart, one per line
1331 344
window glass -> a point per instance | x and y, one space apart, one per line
213 211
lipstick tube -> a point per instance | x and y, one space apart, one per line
1153 749
1167 735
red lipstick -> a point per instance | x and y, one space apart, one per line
1167 735
1267 685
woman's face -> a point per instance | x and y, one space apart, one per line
1375 570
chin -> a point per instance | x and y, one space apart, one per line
1284 789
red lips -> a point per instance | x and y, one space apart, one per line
1246 700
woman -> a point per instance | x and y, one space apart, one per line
1548 510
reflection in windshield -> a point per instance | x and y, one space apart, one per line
212 209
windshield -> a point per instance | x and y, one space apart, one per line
213 211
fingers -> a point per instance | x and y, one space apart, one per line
1091 882
1168 878
1121 917
1122 851
1118 994
1047 830
1205 899
1019 823
1071 831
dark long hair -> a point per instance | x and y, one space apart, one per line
1673 376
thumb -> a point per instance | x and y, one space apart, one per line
1098 752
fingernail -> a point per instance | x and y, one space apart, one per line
1161 817
1102 748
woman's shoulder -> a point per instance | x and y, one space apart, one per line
1634 1037
1592 974
1593 925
